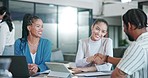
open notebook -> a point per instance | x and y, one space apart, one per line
58 70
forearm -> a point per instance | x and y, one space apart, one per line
117 73
113 60
42 67
84 69
41 64
81 62
89 69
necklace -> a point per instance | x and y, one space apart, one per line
33 47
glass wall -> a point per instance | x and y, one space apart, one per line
115 34
63 25
1 3
67 29
48 13
17 11
83 24
143 5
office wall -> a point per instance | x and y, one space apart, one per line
96 5
118 9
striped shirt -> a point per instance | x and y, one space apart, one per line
135 59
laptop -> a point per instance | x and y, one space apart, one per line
18 66
58 70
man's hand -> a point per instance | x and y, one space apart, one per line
99 58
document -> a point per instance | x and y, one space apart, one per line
87 74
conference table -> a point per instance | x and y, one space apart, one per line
71 64
45 76
72 77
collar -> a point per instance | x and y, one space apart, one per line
90 40
142 36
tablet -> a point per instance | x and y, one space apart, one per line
58 70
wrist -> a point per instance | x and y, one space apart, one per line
38 69
106 59
89 60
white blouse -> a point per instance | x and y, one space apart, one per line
6 37
33 57
88 48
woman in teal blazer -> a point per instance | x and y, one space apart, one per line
36 49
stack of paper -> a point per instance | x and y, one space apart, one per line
94 73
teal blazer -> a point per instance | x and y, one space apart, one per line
43 53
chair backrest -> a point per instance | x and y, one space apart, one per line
118 52
57 56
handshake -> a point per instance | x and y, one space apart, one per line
98 59
92 60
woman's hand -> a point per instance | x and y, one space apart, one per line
84 69
90 59
33 68
99 58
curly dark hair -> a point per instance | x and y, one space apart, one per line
137 17
28 19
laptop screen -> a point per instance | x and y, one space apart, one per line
18 66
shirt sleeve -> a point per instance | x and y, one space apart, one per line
46 56
3 34
132 60
108 51
17 47
80 57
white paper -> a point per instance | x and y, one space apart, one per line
94 73
45 72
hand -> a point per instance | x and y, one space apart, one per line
84 69
90 59
103 57
99 58
100 55
76 70
33 68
